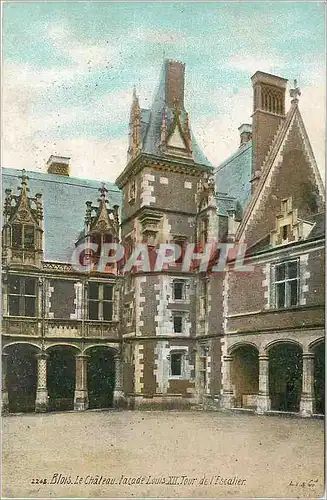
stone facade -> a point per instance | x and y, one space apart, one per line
173 337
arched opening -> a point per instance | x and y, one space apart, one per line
319 377
100 376
245 376
285 377
21 377
61 377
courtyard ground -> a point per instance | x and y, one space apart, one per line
161 454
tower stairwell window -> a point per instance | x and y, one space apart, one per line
287 284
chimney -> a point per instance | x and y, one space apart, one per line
245 131
268 113
175 72
58 165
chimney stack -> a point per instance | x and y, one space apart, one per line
175 73
245 131
268 113
58 165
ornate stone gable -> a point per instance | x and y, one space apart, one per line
101 219
290 171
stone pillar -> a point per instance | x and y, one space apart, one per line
81 398
228 395
307 396
263 399
119 397
41 400
4 398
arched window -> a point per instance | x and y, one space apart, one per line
22 236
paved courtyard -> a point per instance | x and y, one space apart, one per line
163 454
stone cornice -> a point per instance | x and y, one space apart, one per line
184 165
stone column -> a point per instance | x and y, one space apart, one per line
228 395
263 399
41 400
119 397
307 396
4 398
81 397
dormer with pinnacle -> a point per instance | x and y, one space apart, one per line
22 230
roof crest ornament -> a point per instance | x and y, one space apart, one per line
294 93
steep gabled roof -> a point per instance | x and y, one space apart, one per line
234 174
151 123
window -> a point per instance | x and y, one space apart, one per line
178 323
132 191
22 236
99 240
181 243
128 314
203 297
22 296
203 232
176 364
179 289
287 284
100 301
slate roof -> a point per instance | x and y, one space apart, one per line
233 178
151 121
64 207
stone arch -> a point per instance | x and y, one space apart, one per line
285 374
21 379
318 349
115 350
100 375
64 344
245 374
61 375
235 346
315 343
4 349
275 342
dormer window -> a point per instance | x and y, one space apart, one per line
22 236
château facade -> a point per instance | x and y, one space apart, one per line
174 337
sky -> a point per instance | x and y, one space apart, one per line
69 69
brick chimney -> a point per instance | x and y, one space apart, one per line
268 113
58 165
245 131
175 72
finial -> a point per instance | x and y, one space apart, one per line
24 178
103 191
294 93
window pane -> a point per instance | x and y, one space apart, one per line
176 363
28 236
280 289
14 285
178 290
16 235
93 291
107 311
293 292
178 324
93 310
29 286
30 303
107 292
292 269
280 272
13 306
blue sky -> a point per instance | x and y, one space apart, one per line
69 69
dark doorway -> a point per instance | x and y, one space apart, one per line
21 377
245 376
100 377
61 378
285 377
319 378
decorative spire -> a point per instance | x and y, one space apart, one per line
24 187
103 193
294 93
